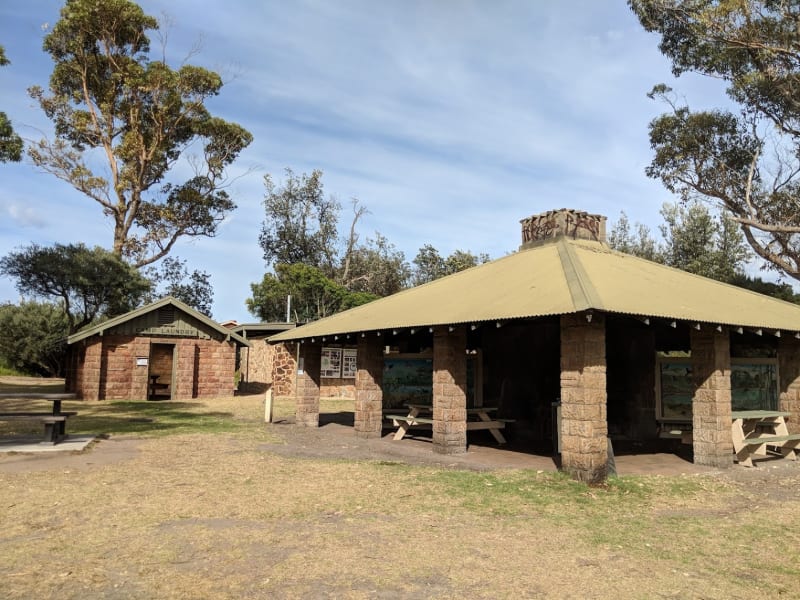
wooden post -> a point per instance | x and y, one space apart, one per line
268 406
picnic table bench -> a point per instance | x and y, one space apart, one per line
55 422
753 431
413 417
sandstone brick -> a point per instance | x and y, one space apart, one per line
711 406
449 385
368 393
583 397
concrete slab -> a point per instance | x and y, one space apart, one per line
33 445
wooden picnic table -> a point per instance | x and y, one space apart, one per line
753 430
55 422
418 415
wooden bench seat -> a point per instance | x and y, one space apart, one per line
774 440
412 420
18 416
787 444
54 425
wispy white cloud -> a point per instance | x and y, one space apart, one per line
24 216
450 120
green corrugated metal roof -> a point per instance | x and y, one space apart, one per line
247 329
561 276
169 300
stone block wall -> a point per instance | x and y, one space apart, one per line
140 381
711 405
284 367
368 392
106 367
188 364
789 384
213 370
307 395
450 390
86 374
117 365
584 426
256 365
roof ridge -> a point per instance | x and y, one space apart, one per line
583 294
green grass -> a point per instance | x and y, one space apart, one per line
512 492
140 418
6 371
629 512
152 419
33 384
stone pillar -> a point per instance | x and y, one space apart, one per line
584 423
307 387
711 404
369 395
789 384
450 390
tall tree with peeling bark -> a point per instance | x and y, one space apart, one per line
747 162
110 102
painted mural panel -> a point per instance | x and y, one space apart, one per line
754 386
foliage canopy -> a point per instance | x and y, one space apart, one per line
430 265
693 239
10 142
313 295
300 224
696 240
33 337
747 162
324 271
89 283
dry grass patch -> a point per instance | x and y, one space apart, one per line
207 513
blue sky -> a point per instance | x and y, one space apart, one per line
450 120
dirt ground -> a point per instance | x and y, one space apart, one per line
279 511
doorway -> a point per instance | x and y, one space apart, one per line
161 376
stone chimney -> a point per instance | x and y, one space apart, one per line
576 224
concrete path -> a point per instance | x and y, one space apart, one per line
33 445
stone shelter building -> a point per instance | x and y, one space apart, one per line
263 365
165 350
256 363
630 349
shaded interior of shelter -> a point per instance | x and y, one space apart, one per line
520 364
161 371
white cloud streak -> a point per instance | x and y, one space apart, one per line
450 120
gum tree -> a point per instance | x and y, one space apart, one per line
746 161
124 120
